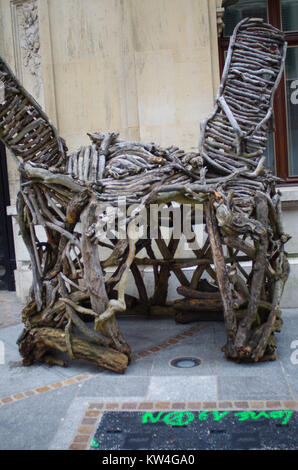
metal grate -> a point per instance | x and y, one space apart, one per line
209 430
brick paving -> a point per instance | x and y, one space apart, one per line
41 390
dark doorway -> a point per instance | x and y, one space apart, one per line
7 255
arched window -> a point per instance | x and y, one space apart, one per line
282 149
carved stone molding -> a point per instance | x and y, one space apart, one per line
27 46
219 17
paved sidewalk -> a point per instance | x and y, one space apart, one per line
62 406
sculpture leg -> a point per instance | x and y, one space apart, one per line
94 277
250 299
222 278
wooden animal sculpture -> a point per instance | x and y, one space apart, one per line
74 301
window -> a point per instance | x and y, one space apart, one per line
282 147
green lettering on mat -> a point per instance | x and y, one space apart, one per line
151 417
179 418
182 418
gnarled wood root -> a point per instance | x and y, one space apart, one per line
41 343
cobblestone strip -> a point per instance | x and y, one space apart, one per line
170 342
47 388
79 378
85 433
86 430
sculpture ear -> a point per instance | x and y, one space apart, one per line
98 137
32 137
244 104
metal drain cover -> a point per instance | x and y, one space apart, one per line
137 441
209 430
185 362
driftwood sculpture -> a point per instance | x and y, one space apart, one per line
74 302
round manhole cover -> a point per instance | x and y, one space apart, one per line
185 362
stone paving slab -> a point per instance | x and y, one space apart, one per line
9 335
31 424
10 309
16 378
191 388
253 388
150 382
116 387
163 367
